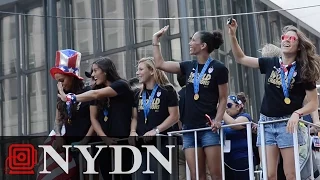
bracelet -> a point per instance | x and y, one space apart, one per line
300 114
71 98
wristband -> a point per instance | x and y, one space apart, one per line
300 114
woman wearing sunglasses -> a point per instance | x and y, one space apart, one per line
288 80
236 161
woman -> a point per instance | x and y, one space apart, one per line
288 80
110 114
155 112
236 161
75 117
204 89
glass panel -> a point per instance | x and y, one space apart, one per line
10 107
37 102
146 28
263 31
173 13
114 36
190 21
275 34
119 60
176 49
8 44
209 12
35 39
59 22
144 52
83 40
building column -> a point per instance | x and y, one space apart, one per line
183 12
52 46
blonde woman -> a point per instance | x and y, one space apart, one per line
155 112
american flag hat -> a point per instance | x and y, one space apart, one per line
67 62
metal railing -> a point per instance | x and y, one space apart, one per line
250 150
295 148
249 140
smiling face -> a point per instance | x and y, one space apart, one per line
195 44
289 43
99 77
65 80
144 73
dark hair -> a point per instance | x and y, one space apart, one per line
181 78
213 40
133 81
108 67
241 96
77 88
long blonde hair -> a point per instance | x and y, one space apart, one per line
306 56
159 76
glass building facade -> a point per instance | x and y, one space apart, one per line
29 41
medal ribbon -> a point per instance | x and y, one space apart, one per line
286 80
197 79
105 112
146 105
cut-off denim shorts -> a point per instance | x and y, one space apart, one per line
276 133
204 138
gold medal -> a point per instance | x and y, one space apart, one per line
105 118
145 120
287 100
69 121
196 97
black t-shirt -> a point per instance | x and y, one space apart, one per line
273 101
80 122
165 97
182 94
194 111
119 111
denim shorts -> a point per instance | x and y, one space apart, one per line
204 138
276 133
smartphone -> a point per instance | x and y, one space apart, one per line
208 119
229 20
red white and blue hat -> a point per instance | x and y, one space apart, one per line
67 62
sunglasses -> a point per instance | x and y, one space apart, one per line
229 105
287 37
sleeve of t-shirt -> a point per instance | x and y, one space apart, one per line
265 63
136 99
310 86
223 74
119 86
172 97
184 65
247 116
94 103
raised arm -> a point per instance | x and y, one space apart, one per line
238 54
167 66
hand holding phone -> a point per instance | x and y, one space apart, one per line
208 119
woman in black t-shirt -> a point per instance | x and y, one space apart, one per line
110 113
206 85
155 111
76 117
288 80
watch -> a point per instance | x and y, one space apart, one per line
157 130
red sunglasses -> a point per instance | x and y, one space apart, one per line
287 37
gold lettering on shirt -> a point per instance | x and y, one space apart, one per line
155 104
275 79
205 81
